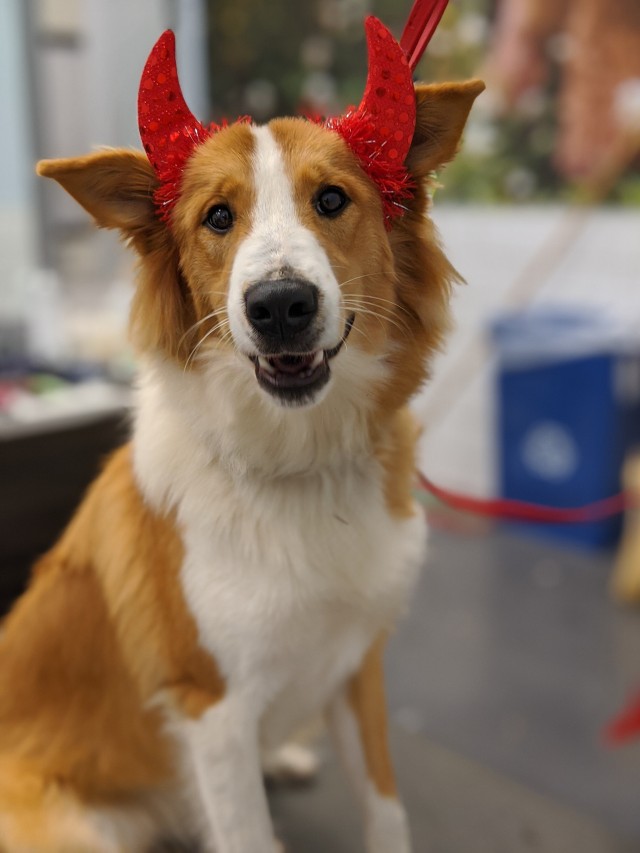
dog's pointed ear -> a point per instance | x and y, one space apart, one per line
441 114
115 186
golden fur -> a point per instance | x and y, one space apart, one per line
102 630
366 695
104 626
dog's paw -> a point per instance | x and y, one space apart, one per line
386 826
291 764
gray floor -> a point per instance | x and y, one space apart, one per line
500 680
454 805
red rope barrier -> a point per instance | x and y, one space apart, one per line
514 510
626 725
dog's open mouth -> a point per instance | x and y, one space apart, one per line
296 377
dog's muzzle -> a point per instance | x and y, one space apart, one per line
288 367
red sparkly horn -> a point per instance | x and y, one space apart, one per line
380 130
168 130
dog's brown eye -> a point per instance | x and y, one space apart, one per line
219 218
331 201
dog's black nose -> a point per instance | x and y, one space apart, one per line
281 309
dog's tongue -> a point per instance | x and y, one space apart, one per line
292 364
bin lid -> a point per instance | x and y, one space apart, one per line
551 333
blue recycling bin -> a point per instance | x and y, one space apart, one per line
568 411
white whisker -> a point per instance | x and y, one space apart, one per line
195 326
374 311
212 331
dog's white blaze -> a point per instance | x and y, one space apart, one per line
278 242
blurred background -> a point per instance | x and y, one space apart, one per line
522 640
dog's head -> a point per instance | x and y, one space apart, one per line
279 255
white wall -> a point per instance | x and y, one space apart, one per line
14 153
491 247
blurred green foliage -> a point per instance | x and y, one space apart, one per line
283 57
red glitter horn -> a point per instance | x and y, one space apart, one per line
380 130
168 129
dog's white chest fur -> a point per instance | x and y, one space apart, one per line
293 588
289 578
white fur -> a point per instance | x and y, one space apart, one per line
225 757
293 564
386 825
294 546
221 414
291 762
278 243
385 821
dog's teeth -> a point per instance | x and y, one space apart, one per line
264 364
317 359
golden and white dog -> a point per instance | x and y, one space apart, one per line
235 568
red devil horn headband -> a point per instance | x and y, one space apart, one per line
168 129
379 131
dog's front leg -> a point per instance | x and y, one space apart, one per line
357 721
223 746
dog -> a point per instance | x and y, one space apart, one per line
236 567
